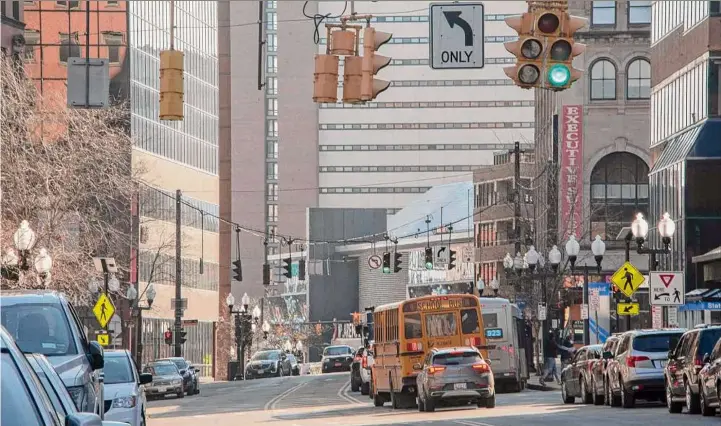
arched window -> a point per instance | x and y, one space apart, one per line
619 190
638 80
603 80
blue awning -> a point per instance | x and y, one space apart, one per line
698 142
704 295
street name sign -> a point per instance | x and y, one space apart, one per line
628 309
628 279
456 35
667 288
104 310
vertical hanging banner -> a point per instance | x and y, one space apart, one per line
571 172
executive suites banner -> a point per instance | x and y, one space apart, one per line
571 173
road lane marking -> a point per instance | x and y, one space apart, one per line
471 423
344 393
270 405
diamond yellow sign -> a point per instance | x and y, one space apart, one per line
628 279
104 310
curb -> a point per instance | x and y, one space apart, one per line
537 387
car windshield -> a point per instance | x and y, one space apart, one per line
180 363
654 342
457 358
337 350
117 370
161 369
39 328
17 405
266 356
291 358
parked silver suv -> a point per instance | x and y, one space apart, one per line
636 369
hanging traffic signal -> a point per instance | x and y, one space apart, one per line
168 335
171 85
527 50
372 63
325 77
562 49
301 269
451 259
288 267
266 274
181 336
237 270
397 263
386 263
429 258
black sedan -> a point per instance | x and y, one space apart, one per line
337 358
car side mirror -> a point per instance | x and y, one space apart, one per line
182 372
83 419
197 370
706 358
417 367
96 355
607 355
145 378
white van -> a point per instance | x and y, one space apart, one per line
504 328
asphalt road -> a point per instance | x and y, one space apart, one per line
327 400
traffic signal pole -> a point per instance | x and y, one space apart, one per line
178 272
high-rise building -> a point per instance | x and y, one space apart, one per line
180 155
12 28
685 124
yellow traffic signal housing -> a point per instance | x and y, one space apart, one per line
561 51
325 79
372 63
171 85
352 76
528 50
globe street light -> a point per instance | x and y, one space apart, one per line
532 258
495 286
639 229
43 264
666 228
244 322
256 312
24 239
518 262
598 247
572 250
508 262
266 329
245 301
113 283
554 256
9 268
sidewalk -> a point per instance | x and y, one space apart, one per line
551 385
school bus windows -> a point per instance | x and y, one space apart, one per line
469 321
441 325
413 329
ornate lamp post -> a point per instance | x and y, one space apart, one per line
136 310
24 239
243 325
43 265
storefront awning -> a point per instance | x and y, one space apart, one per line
714 254
702 299
699 142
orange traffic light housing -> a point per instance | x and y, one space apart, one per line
372 63
325 77
528 50
562 50
171 85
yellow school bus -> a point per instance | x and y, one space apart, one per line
405 331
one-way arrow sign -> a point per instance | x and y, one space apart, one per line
454 18
456 35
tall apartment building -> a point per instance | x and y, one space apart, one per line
685 124
12 28
175 155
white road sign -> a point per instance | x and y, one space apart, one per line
374 261
667 288
456 35
584 312
594 297
656 316
672 312
468 254
541 312
440 256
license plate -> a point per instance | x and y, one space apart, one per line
459 386
162 390
337 364
261 371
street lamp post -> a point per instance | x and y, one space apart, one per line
666 228
136 310
43 264
243 324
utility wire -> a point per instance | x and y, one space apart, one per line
318 20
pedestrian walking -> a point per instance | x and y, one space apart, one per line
550 353
567 350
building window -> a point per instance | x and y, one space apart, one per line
639 79
639 12
69 47
272 21
603 80
619 190
32 39
272 171
112 3
603 13
114 40
272 192
272 64
272 231
68 4
272 213
273 107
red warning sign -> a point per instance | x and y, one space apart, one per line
666 279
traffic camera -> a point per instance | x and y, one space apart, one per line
266 274
301 269
429 258
386 263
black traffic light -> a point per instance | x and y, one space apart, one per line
301 269
451 259
168 337
429 258
181 336
266 274
287 267
386 263
237 270
397 263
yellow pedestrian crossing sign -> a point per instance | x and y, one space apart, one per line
104 339
104 310
628 309
628 279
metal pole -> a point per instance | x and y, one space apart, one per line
628 259
586 331
87 58
238 356
241 366
172 24
178 271
260 45
517 196
106 277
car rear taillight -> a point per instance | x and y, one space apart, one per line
414 347
364 361
698 361
632 360
481 367
433 369
358 358
476 341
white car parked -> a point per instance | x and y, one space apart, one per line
365 371
124 392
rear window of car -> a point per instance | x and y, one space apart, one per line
708 340
457 358
337 350
655 342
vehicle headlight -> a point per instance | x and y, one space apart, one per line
124 402
78 394
177 381
326 360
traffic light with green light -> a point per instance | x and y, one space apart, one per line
429 258
386 263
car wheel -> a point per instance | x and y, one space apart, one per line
606 393
597 399
354 387
705 409
564 395
420 403
693 405
365 388
491 402
378 401
181 394
585 394
627 398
